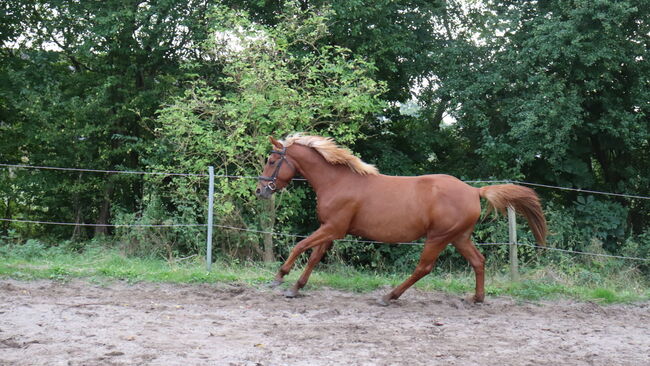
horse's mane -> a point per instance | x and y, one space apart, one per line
332 153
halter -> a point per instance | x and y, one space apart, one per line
274 177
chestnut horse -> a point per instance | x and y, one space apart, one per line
353 198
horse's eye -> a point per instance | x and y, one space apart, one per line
271 162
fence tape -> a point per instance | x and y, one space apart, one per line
98 170
97 225
302 179
304 236
582 190
22 166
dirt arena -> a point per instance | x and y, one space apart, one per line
80 323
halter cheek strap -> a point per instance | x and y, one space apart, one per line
274 177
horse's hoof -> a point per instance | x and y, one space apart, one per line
382 301
274 283
291 293
472 299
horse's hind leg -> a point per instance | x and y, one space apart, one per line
315 257
467 249
428 259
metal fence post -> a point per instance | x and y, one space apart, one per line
512 233
210 209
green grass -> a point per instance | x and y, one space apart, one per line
547 282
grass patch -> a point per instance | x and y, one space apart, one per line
532 290
99 265
606 295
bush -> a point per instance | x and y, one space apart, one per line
31 249
639 247
166 242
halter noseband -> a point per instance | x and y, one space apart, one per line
274 177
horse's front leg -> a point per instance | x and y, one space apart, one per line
322 236
315 257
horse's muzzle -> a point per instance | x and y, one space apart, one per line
264 192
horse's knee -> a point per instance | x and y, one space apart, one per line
478 263
422 271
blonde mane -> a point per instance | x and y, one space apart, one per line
332 153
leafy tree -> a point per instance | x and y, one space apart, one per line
547 91
561 98
422 50
82 83
276 81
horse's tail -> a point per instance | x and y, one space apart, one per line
523 200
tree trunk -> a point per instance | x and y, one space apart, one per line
7 215
104 210
76 231
268 223
435 119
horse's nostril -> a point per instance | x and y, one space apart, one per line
258 191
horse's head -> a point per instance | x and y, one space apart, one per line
277 173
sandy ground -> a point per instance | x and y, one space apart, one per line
80 323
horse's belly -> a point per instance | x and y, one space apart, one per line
388 236
390 224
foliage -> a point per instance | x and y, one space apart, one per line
543 91
639 247
80 84
149 240
276 81
32 249
560 97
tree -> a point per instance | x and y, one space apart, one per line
561 98
276 81
82 83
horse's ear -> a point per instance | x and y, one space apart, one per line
276 143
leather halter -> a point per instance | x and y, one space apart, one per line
274 177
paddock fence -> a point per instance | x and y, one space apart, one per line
210 225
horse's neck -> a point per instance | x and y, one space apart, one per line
320 174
